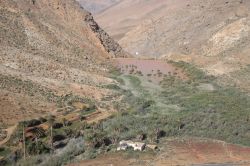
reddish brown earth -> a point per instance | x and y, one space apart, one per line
196 151
155 70
181 152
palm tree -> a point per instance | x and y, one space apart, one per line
51 121
64 121
24 124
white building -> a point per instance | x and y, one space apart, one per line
124 145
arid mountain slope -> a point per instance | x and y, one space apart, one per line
212 34
97 6
200 27
122 17
51 52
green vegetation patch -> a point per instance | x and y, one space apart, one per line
222 113
4 151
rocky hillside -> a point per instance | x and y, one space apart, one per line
199 27
51 51
212 34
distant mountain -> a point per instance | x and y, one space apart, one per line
97 6
199 27
122 17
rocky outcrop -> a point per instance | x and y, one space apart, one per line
108 43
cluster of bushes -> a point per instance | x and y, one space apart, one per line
35 122
74 148
37 148
4 151
208 113
131 125
193 73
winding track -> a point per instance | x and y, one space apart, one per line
10 131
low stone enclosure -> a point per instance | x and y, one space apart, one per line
137 146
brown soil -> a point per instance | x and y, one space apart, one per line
182 153
16 107
154 70
201 151
105 160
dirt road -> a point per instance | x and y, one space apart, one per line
10 131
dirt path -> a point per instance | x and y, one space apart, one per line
98 117
10 131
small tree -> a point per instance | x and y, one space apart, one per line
24 125
64 121
51 121
151 136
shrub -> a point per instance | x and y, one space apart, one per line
112 86
42 120
58 138
33 122
35 148
57 125
74 148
